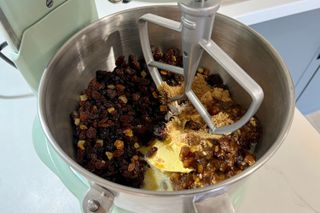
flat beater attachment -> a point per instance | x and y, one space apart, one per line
196 29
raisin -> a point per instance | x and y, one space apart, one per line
105 123
110 93
214 80
192 125
151 152
91 133
100 164
96 95
133 63
102 76
160 131
120 61
157 54
103 133
118 153
135 97
126 119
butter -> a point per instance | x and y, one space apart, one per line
166 158
157 180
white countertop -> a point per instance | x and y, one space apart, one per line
247 11
289 182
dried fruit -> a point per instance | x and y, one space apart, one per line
111 110
119 144
163 72
128 132
110 93
160 131
109 155
83 97
192 125
143 74
111 86
157 54
135 96
99 142
214 80
151 152
118 153
77 121
120 87
91 133
249 159
102 76
136 145
163 108
80 144
82 126
131 167
123 99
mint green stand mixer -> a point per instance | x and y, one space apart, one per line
35 37
36 29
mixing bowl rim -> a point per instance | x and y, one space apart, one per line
118 187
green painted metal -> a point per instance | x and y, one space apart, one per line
73 181
42 40
21 14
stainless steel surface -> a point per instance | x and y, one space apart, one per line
217 203
97 200
97 46
197 22
93 205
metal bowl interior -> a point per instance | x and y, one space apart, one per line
97 46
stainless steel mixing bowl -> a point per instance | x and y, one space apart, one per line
97 46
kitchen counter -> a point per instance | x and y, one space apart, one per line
289 182
247 11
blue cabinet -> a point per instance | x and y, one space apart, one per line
309 100
297 39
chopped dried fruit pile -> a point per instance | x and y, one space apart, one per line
121 112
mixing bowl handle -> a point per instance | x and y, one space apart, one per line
98 200
208 204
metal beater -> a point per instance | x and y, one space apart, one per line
196 26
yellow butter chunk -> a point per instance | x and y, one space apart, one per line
167 156
155 179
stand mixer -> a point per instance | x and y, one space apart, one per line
34 42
